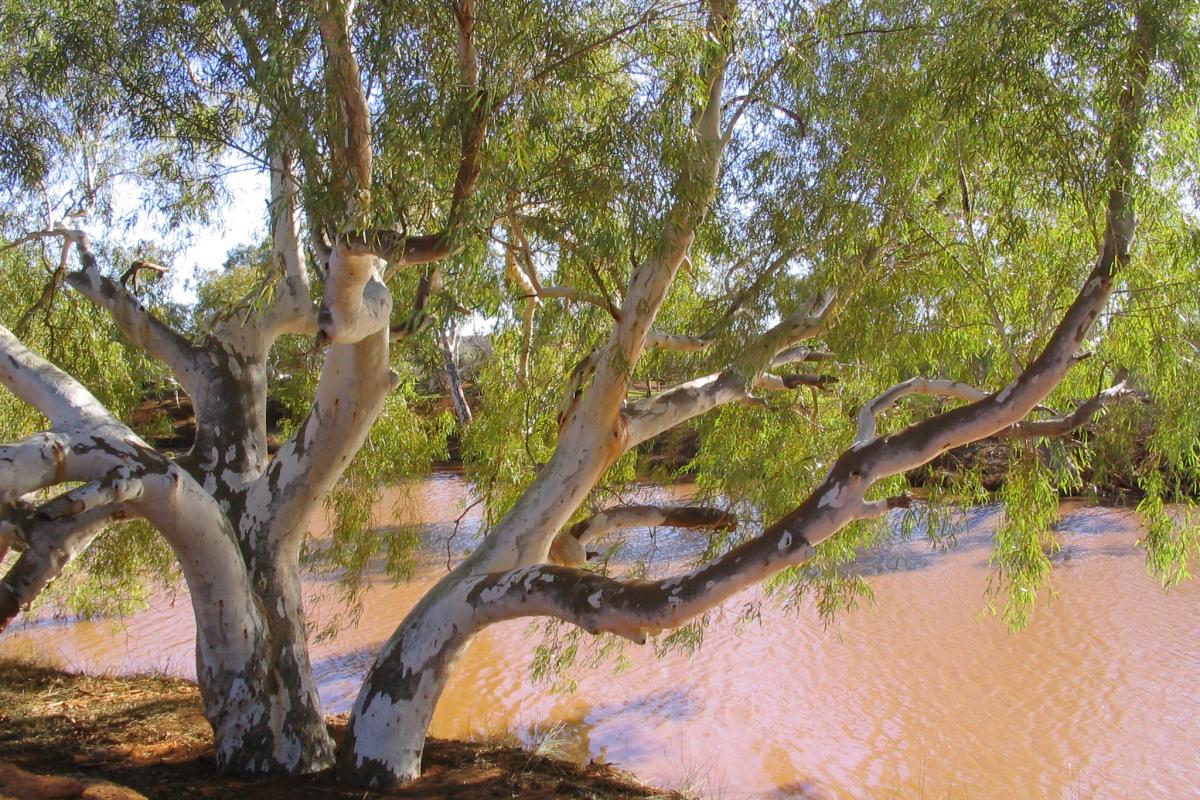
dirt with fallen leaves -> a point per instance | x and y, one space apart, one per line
69 736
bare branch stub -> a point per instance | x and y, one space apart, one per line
129 276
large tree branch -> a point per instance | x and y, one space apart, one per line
600 604
634 610
32 463
118 464
61 398
923 441
141 327
355 381
225 378
89 446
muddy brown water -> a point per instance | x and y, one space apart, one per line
919 696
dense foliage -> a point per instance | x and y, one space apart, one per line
941 164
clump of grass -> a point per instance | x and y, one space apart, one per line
549 741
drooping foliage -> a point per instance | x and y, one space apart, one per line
942 165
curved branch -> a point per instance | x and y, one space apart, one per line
116 488
923 441
634 610
291 310
935 387
693 191
1025 429
568 547
811 321
355 381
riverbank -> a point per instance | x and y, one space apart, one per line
916 695
120 738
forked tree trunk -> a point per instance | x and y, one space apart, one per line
278 727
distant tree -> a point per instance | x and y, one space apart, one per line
812 214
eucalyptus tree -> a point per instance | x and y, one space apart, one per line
801 217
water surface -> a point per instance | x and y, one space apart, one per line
920 696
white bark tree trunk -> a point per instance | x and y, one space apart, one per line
234 516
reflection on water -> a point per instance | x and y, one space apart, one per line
919 696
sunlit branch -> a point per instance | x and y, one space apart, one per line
291 310
349 138
151 334
58 396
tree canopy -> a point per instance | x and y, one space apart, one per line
822 236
